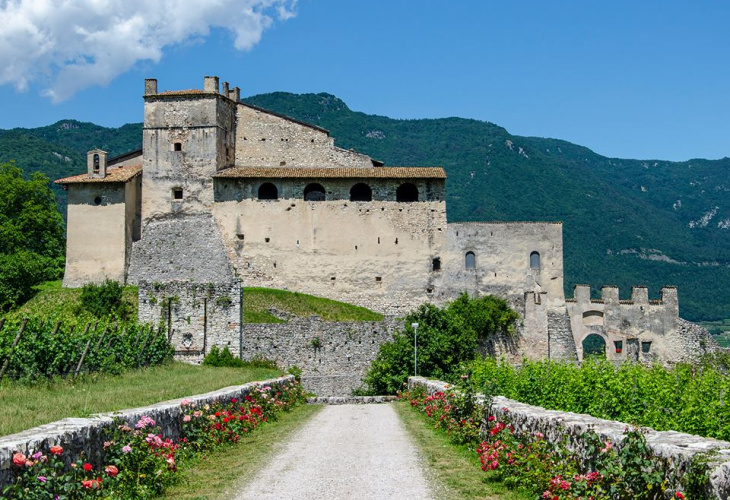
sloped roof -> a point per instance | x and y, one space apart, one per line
121 174
332 173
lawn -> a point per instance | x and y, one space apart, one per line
258 301
28 405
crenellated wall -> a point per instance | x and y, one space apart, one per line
638 329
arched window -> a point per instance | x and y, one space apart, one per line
267 191
96 164
534 260
406 192
470 260
314 192
361 192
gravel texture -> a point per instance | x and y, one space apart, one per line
345 452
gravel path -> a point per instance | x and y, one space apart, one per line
345 452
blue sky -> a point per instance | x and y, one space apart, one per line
647 79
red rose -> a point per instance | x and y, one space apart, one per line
56 450
679 495
87 467
111 470
19 459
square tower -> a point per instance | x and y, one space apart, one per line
188 136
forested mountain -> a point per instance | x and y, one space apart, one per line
626 222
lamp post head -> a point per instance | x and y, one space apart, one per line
414 325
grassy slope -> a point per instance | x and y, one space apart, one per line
25 406
64 304
222 473
454 468
258 301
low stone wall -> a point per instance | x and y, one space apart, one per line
333 356
678 448
86 435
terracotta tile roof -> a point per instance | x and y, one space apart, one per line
333 173
121 174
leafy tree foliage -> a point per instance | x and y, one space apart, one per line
31 234
447 337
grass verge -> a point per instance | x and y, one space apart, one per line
454 468
219 474
25 406
53 301
258 301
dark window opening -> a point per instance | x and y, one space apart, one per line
436 264
282 163
267 240
314 192
619 345
177 146
534 260
96 164
361 192
241 236
268 191
645 347
97 200
177 194
470 260
406 193
378 278
594 345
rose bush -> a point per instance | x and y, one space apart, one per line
139 461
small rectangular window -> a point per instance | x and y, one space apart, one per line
378 278
177 146
645 347
177 194
436 264
619 344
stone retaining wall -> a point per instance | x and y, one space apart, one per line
678 448
333 356
86 435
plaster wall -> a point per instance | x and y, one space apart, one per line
267 140
375 254
96 242
502 261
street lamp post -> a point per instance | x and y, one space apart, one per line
415 349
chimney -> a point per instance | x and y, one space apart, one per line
235 94
210 84
225 89
150 86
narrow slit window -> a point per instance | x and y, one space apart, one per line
470 260
535 260
436 264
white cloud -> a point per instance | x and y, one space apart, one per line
70 45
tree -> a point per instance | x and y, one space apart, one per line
31 235
447 337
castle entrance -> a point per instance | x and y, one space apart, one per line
594 345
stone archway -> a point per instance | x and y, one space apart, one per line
594 345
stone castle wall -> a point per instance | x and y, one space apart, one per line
264 139
197 315
333 357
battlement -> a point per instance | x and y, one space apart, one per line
211 85
639 296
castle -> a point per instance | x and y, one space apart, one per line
225 194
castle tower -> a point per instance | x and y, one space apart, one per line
188 136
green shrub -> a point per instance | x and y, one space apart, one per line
224 357
104 300
447 337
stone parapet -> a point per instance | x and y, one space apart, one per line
86 435
676 447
